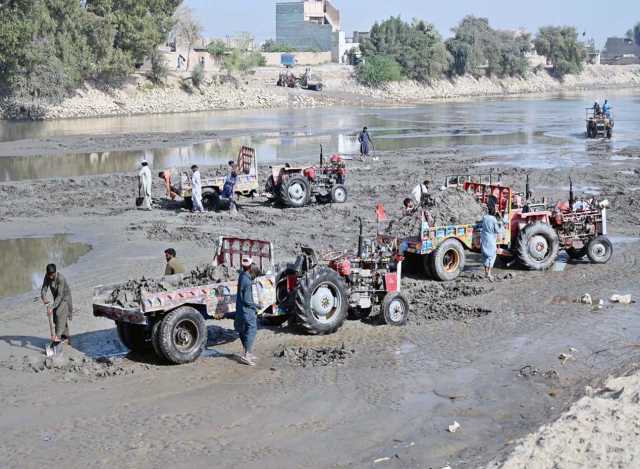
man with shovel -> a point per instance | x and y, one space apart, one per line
61 308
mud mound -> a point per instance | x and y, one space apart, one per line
314 357
160 232
435 302
129 294
71 368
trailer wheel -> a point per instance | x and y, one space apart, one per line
338 194
576 253
210 200
182 335
295 191
155 340
395 309
427 265
134 336
320 302
538 246
600 250
447 262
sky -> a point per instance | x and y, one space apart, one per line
599 19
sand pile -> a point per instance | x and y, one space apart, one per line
434 301
129 294
71 368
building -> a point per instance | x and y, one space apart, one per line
620 51
308 25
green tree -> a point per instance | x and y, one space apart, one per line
188 30
197 75
417 47
378 70
559 44
159 70
272 46
217 49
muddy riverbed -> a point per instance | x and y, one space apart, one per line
368 393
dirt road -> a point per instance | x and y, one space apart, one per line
483 355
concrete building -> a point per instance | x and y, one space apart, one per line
620 51
308 25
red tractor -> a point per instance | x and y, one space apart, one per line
295 186
317 296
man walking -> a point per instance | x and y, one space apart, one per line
490 230
144 185
365 142
174 266
246 321
196 189
62 307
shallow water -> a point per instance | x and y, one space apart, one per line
25 260
526 132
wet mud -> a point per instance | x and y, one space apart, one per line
314 357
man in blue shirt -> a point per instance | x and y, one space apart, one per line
228 189
246 321
606 109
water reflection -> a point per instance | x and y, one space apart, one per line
25 260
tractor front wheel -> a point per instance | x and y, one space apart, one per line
395 309
295 191
338 194
600 250
320 302
538 246
447 262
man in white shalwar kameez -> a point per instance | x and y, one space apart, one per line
196 189
144 185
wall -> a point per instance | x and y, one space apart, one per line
302 58
292 30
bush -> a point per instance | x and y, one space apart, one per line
272 46
377 70
197 75
159 70
239 61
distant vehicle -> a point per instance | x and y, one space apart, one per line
599 125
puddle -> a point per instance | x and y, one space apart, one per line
25 260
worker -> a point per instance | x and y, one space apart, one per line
420 191
596 109
409 206
365 142
196 189
246 322
62 307
230 181
489 232
606 109
170 188
144 185
174 266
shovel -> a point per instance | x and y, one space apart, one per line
52 349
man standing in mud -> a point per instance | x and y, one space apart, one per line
62 306
365 143
246 321
144 186
174 266
196 189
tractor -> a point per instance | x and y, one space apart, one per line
533 233
317 296
599 124
294 186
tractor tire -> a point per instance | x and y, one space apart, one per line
321 302
295 191
447 262
155 341
600 250
537 246
188 203
270 186
338 194
576 254
609 134
395 309
210 200
182 335
134 336
427 265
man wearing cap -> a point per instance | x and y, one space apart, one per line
196 189
144 185
246 321
62 306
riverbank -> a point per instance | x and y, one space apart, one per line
258 91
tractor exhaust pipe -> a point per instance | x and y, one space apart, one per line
527 190
360 240
321 157
571 198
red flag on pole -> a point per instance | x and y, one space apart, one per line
380 215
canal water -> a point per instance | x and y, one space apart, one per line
25 260
528 132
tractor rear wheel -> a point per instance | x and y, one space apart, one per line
210 200
395 309
447 262
338 194
427 264
320 302
538 246
295 191
600 250
155 340
134 336
182 335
